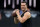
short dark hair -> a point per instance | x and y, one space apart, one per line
24 2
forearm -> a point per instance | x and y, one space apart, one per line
19 18
15 20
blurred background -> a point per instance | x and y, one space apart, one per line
7 6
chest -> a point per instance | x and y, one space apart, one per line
22 14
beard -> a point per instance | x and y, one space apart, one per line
23 10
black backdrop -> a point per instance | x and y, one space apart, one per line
18 6
5 22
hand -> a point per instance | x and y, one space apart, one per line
17 12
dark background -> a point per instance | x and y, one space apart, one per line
9 22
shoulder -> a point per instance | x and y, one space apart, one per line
27 13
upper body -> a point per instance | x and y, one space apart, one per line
25 17
26 23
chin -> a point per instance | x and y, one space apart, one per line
23 10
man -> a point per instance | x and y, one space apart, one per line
24 19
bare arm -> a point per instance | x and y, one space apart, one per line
16 20
26 16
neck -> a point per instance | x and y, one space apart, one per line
24 11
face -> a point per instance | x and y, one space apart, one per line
23 6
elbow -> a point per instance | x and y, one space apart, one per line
21 21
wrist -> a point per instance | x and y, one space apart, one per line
18 14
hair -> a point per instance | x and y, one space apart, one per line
24 2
